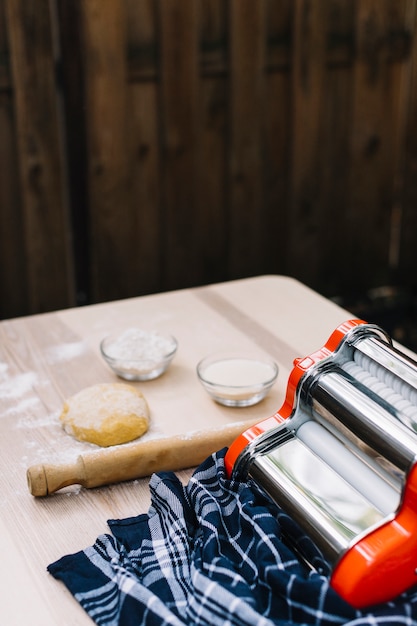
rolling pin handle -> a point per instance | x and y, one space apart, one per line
37 481
46 479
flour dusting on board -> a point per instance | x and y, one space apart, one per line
30 421
17 386
59 448
15 390
26 404
65 351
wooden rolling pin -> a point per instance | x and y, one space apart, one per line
112 465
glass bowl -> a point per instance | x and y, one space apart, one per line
237 380
137 354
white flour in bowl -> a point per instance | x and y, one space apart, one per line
135 344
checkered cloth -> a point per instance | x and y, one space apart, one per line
210 553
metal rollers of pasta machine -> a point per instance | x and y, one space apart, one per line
340 457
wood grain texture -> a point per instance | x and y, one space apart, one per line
247 80
179 128
212 236
144 147
46 358
202 141
406 225
46 242
308 128
13 290
373 159
112 216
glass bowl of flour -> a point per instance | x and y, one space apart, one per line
136 354
237 380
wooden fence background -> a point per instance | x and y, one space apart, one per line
148 145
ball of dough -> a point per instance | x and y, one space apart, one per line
106 414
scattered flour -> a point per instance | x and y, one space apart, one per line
14 388
28 421
3 370
17 386
65 351
24 405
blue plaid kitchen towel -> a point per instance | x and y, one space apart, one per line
210 553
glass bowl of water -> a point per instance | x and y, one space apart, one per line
237 380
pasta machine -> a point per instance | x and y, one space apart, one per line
340 457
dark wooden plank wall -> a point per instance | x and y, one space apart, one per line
44 236
159 144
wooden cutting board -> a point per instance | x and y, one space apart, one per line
44 359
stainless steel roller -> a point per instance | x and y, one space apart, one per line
340 457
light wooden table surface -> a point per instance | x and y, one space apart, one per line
46 358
